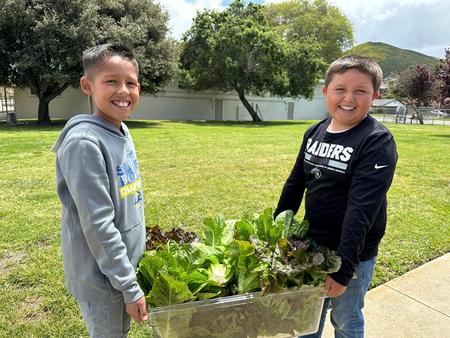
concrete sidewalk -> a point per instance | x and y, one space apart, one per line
415 305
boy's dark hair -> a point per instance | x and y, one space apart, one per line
94 56
361 63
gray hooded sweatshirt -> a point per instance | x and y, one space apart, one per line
103 229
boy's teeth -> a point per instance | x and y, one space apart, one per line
347 107
121 103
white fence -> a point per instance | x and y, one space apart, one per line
430 115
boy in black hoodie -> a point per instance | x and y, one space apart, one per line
346 165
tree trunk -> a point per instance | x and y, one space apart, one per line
419 112
248 106
43 115
46 92
416 114
420 116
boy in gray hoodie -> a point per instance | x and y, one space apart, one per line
99 185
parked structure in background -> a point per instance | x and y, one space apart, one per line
386 106
392 110
178 104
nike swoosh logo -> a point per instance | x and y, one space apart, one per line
381 166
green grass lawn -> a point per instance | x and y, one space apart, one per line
192 170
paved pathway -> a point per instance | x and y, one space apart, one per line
415 305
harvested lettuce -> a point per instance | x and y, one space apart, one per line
254 253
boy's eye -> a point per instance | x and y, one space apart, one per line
361 91
111 81
132 84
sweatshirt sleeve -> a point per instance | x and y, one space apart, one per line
292 193
84 168
372 177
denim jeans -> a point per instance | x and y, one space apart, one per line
107 319
346 310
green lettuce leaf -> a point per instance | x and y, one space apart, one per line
285 219
298 230
267 229
219 274
217 231
187 256
167 291
148 270
244 229
196 280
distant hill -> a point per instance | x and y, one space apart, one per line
392 58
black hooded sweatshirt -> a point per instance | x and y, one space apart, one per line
346 176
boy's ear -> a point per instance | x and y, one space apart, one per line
324 90
85 85
376 95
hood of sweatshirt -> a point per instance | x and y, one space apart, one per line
86 118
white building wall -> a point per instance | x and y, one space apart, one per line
175 108
269 109
310 110
314 109
71 102
176 104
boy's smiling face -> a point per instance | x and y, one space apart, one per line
114 87
349 96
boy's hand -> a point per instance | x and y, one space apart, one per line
333 288
138 310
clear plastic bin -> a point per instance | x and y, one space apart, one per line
286 314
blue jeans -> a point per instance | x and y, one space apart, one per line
107 319
346 310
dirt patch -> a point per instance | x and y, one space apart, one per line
32 310
43 242
10 259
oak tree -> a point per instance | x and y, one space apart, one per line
236 49
296 19
42 42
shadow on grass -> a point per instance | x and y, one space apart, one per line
245 124
441 135
57 124
141 124
32 125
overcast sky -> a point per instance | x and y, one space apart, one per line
419 25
